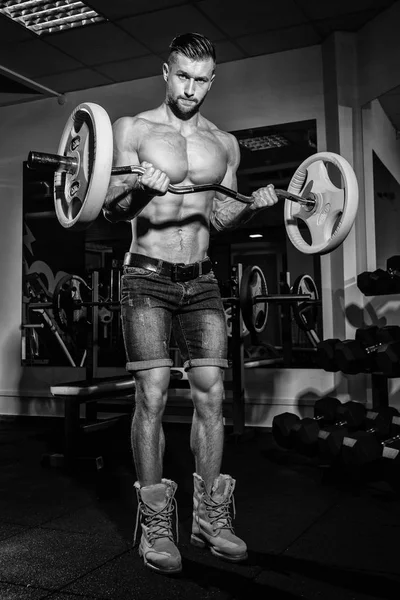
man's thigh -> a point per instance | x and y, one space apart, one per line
146 319
200 327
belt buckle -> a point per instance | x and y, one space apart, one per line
182 272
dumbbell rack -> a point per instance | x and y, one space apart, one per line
379 381
332 357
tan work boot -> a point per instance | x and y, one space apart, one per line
156 507
212 522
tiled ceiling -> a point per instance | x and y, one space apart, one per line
133 41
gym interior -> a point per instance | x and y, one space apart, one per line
316 358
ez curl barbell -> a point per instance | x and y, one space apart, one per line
83 168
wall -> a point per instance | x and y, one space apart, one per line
366 66
379 138
266 90
378 52
387 214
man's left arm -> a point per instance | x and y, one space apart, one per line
228 213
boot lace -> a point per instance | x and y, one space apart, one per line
159 522
219 512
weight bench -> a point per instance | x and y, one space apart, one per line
113 395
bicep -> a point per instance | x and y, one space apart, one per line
229 181
230 177
124 151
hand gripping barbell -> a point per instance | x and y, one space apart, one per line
83 168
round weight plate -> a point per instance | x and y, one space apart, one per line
228 318
304 313
105 315
69 293
255 314
330 221
87 137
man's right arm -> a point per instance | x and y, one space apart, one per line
127 196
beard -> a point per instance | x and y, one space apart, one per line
183 112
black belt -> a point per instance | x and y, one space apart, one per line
176 271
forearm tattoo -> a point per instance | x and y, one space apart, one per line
230 213
124 203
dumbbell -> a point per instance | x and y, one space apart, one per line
380 282
358 355
325 356
309 439
349 354
286 426
390 459
393 265
364 447
387 359
350 416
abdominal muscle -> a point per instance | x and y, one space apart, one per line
174 228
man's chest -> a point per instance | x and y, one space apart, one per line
198 158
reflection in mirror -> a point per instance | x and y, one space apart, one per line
63 268
381 140
271 155
386 184
386 203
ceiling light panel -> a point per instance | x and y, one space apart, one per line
41 16
264 142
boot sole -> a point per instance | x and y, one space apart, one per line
200 543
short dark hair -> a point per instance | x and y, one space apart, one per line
192 45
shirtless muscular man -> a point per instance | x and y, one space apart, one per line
168 285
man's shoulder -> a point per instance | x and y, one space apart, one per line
148 117
225 137
228 140
141 120
138 121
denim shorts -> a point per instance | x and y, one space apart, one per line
153 306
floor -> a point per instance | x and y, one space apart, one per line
310 532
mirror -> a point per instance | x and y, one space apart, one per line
270 155
381 153
381 139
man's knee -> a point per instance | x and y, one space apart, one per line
152 390
207 391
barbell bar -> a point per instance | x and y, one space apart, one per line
67 300
256 321
77 304
82 177
59 164
278 298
